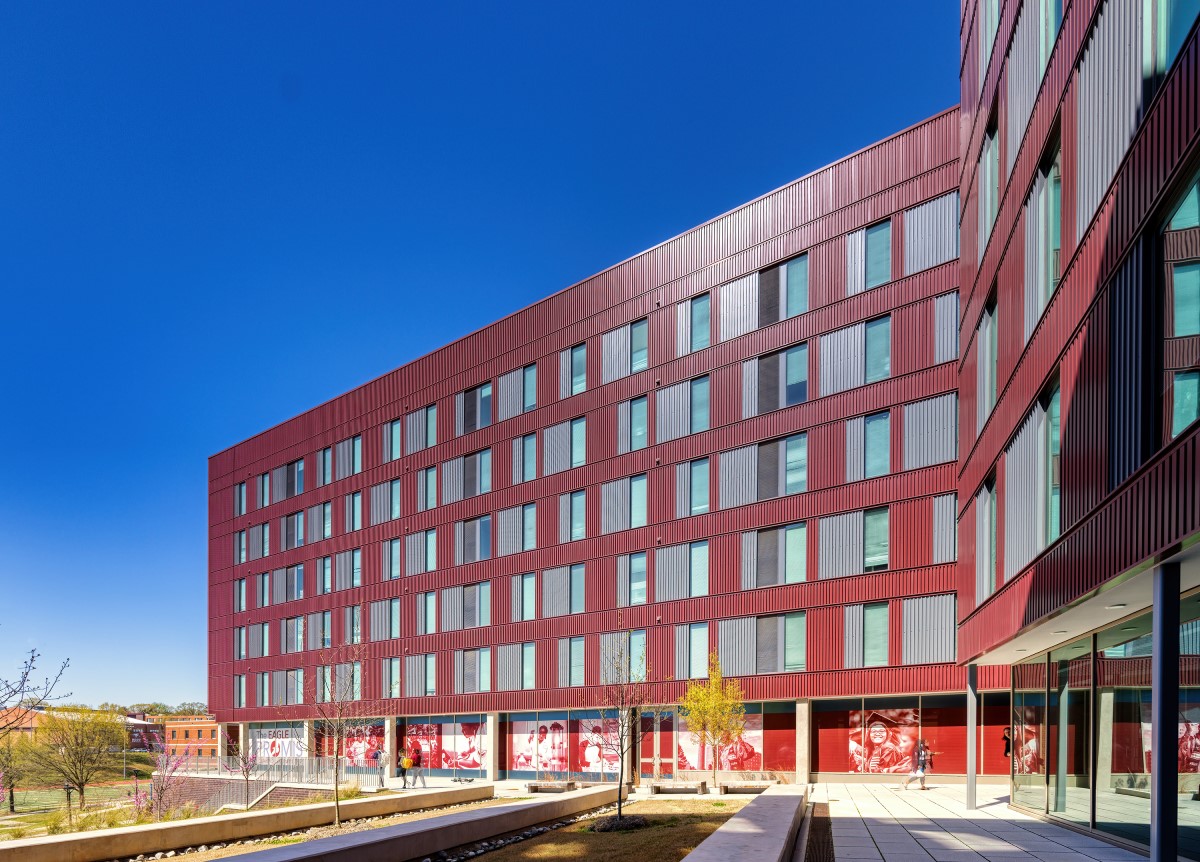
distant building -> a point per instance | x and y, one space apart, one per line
197 732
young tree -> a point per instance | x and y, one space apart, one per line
166 782
26 692
339 708
243 758
625 693
14 767
76 744
714 711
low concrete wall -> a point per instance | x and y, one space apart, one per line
422 838
149 838
764 830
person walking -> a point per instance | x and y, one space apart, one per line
405 764
922 762
417 764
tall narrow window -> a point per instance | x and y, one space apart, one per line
529 526
528 668
795 553
793 641
395 442
989 185
700 323
637 501
239 595
637 578
698 650
875 540
1185 285
430 425
393 558
578 588
394 499
698 569
324 575
430 550
578 515
354 511
326 520
879 254
429 484
578 368
578 442
637 655
528 388
577 661
427 607
795 360
528 597
356 453
639 345
239 499
877 443
528 457
430 674
878 349
1053 478
1185 398
325 466
356 567
699 395
795 460
638 425
699 486
796 288
875 635
1052 220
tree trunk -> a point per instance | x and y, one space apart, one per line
716 763
247 778
12 801
337 805
80 797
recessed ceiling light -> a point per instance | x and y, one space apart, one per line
1061 632
1128 629
1114 607
1022 650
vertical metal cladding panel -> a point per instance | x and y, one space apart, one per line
518 461
985 564
1023 76
564 662
343 459
770 468
750 388
945 328
314 639
843 359
614 646
515 596
414 676
508 667
840 545
672 412
736 646
739 307
278 587
749 560
1110 94
852 637
770 382
461 405
564 518
556 592
945 534
377 614
564 374
452 609
1035 258
931 233
255 534
414 432
385 440
623 581
381 503
1024 495
682 644
855 433
769 547
510 394
509 531
930 431
460 682
556 448
461 537
683 489
414 553
671 565
771 642
738 477
614 354
470 606
614 506
928 626
343 570
683 328
314 527
772 283
623 427
452 481
856 262
983 360
278 484
1126 387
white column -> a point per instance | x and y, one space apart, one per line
803 741
972 733
492 757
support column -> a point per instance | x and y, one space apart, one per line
491 758
1104 738
1164 716
310 740
803 741
972 733
389 748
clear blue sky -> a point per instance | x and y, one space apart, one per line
216 215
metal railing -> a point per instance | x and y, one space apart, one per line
292 770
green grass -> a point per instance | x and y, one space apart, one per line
37 799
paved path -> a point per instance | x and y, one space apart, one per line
875 821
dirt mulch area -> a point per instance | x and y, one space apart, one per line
675 828
820 835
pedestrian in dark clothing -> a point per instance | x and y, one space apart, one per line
922 761
417 769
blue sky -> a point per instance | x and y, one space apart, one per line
214 216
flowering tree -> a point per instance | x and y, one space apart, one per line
241 760
167 780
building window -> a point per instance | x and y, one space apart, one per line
528 457
637 578
697 650
239 643
394 499
578 588
877 444
794 638
577 661
875 635
294 582
698 569
394 550
427 610
356 453
239 546
356 567
354 629
989 185
639 345
701 323
578 515
699 405
265 532
528 657
293 634
795 553
239 690
637 501
987 358
326 520
391 676
795 464
239 499
879 254
1053 468
528 388
878 349
699 487
1185 396
477 539
395 442
795 387
430 675
427 485
239 595
325 466
528 597
481 661
325 635
578 442
529 526
637 655
875 540
264 490
1188 212
354 511
430 550
263 589
324 575
1185 285
293 530
476 407
1051 222
578 368
796 286
639 435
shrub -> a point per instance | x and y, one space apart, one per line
56 822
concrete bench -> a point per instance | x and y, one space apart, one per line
700 787
764 830
550 786
745 786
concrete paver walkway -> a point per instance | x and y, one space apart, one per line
875 821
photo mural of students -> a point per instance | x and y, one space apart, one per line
743 754
469 746
594 746
885 743
538 746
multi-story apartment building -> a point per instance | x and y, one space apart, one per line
1080 360
742 441
195 735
